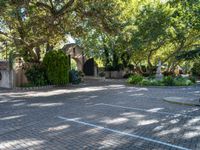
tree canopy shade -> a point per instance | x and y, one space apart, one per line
116 31
30 25
150 31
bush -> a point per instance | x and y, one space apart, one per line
57 67
152 77
196 69
180 81
135 79
151 82
74 77
168 81
145 82
193 79
36 75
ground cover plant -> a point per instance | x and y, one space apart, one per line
165 81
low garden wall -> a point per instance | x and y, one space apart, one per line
114 74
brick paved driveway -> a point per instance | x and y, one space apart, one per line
98 116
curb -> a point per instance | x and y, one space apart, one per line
187 103
41 87
34 88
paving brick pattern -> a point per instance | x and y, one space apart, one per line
29 119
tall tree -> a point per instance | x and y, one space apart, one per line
29 25
151 30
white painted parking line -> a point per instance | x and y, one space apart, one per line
122 133
139 109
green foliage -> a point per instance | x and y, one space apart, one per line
36 75
193 79
73 64
196 69
151 82
57 66
180 81
31 25
168 81
140 32
74 76
135 79
189 55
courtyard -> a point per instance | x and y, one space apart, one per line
99 115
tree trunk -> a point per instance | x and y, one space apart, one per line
150 66
107 60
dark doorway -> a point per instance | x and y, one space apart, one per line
88 67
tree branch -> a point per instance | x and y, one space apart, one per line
176 51
45 6
65 8
53 11
5 34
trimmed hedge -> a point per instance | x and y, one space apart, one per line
196 69
57 67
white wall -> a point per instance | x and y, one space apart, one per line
6 80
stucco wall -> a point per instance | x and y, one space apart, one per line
6 80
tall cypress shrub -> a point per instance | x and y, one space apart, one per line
57 67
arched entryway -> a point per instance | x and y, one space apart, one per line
75 53
79 61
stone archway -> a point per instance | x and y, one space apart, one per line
76 53
79 64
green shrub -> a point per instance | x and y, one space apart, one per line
57 67
155 82
196 69
135 79
193 79
74 77
151 82
36 75
180 81
168 81
151 77
145 82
